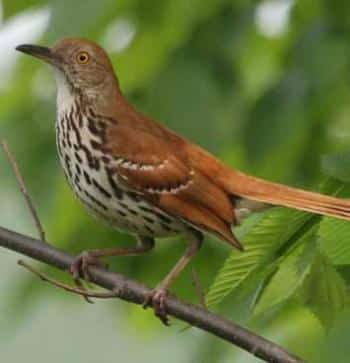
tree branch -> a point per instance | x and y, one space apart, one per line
134 292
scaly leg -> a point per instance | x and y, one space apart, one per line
158 295
80 267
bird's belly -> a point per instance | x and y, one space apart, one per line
99 190
128 212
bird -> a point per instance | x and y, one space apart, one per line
143 178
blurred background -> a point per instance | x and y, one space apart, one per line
265 85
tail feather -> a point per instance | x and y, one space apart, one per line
249 187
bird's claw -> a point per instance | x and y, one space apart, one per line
80 266
156 299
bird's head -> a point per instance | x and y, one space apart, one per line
79 64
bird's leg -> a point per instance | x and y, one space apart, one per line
157 296
80 266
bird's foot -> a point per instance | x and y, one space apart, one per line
156 299
80 266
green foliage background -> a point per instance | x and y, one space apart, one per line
274 106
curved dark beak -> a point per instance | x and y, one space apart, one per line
37 51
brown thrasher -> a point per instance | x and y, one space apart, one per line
141 177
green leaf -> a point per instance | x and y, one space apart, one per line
337 166
334 234
325 291
277 231
261 244
334 240
290 274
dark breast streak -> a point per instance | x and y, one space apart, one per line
80 136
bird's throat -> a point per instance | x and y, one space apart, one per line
65 96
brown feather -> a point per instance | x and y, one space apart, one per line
199 217
241 185
155 166
276 194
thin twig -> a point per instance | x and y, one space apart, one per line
22 186
61 285
81 286
23 189
134 292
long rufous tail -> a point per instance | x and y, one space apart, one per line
261 190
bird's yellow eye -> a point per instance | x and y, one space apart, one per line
83 57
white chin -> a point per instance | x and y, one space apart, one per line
65 99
